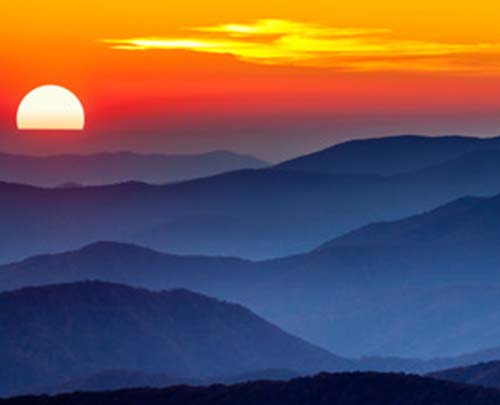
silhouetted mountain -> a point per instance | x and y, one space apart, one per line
324 389
390 155
108 168
53 333
485 374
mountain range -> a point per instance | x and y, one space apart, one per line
119 167
255 214
388 260
111 380
423 286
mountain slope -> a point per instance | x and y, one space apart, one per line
468 221
390 155
336 389
485 374
123 263
50 334
107 168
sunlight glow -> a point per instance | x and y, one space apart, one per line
282 42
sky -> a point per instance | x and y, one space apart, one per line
273 78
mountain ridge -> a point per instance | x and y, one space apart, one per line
117 167
87 327
484 374
408 153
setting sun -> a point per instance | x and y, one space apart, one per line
50 107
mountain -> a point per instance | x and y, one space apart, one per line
389 155
326 296
117 379
126 264
256 214
109 380
108 168
423 286
468 222
441 267
331 389
50 334
485 374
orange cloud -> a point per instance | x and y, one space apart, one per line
284 42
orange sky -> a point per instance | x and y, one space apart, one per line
251 65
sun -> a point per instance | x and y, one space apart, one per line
50 107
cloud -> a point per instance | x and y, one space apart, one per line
292 43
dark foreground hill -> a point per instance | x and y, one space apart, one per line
485 374
324 389
50 334
108 168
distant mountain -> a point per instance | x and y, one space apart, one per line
126 264
389 155
331 389
254 214
50 334
109 380
119 167
472 222
485 374
488 355
424 286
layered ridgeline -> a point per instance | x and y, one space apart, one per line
55 333
425 286
250 213
390 155
485 374
119 167
323 389
108 380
